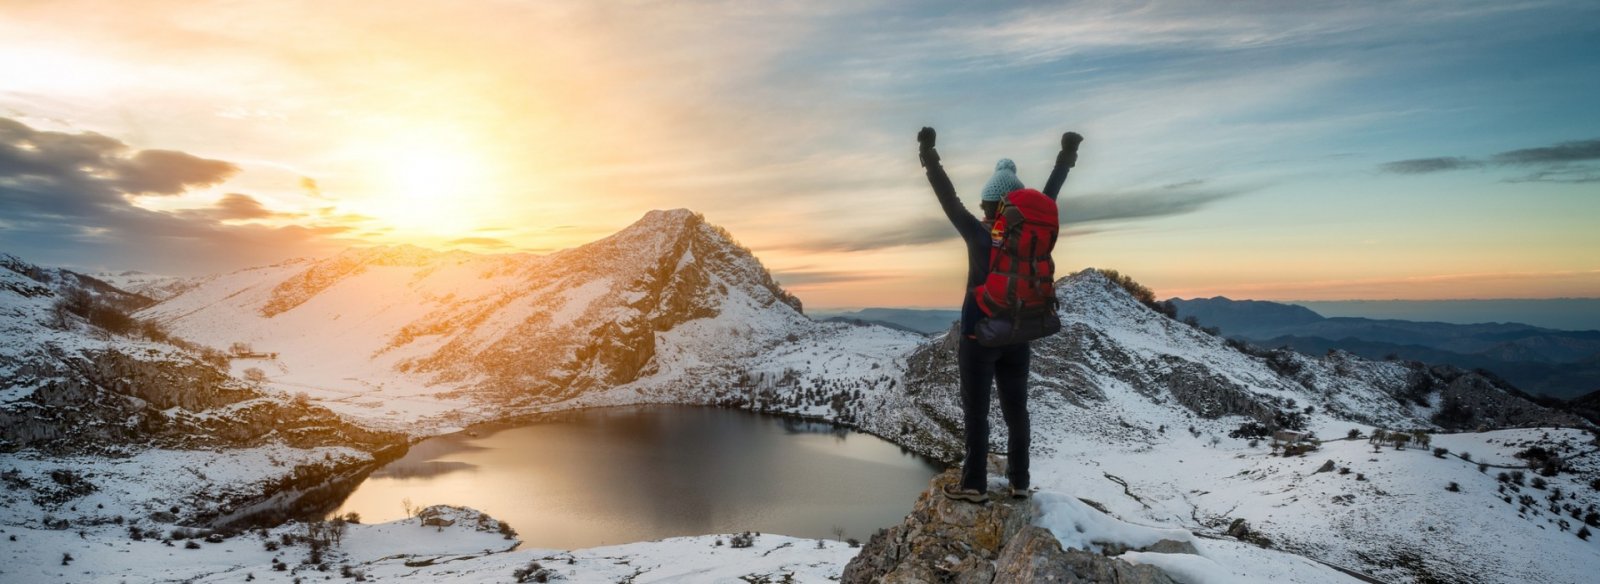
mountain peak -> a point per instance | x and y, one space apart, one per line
1091 283
679 215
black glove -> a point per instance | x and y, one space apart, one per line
1069 149
925 139
1070 141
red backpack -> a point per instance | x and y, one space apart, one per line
1018 299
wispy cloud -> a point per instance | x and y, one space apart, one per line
1039 33
1563 174
1575 151
484 242
1563 162
1077 211
1176 199
807 277
914 232
1429 165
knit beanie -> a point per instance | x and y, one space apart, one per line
1003 182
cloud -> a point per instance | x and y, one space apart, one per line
915 232
1177 199
168 172
802 278
1043 33
1569 175
1575 151
488 242
1563 162
237 206
1427 165
311 188
1076 212
102 165
68 199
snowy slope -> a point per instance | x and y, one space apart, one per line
97 424
469 550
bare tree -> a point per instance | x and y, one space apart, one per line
336 529
60 315
255 376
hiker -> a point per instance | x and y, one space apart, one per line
993 314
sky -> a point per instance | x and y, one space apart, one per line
1270 150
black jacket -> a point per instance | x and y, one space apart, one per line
973 231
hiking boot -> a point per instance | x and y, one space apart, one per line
1016 493
959 493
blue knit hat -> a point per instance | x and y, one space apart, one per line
1003 182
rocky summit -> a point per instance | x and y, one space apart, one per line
947 541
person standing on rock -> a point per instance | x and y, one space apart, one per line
983 363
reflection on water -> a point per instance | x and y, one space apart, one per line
618 475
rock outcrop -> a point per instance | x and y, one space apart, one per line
946 541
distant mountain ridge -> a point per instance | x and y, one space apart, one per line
1556 313
926 321
1555 362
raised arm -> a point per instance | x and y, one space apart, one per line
1067 159
966 224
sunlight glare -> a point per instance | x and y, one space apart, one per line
432 184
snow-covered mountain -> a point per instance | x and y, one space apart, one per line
62 282
668 309
156 287
72 367
91 400
1131 409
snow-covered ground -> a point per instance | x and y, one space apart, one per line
1391 507
465 551
331 347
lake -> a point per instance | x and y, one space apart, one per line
618 475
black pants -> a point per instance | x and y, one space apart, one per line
1007 368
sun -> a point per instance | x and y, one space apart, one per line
430 186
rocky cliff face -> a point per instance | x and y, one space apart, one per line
945 541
